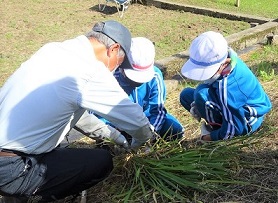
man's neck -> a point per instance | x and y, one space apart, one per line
99 50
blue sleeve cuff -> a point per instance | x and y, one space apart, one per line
216 135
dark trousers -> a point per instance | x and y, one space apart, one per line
54 175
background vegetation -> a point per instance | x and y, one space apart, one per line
261 8
28 24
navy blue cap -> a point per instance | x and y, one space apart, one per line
117 32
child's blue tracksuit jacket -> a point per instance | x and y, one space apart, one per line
151 97
234 104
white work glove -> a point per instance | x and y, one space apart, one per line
136 143
205 129
119 139
96 129
194 112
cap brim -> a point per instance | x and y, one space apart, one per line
139 76
126 63
199 73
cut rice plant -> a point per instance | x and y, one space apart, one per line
170 172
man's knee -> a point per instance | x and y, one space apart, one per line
108 159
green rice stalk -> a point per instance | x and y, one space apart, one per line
168 171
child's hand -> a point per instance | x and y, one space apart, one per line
205 132
194 112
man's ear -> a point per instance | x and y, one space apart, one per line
113 49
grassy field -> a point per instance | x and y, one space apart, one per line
259 8
28 24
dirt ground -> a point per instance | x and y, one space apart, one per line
27 26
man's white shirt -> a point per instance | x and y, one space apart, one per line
47 95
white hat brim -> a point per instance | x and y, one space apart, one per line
139 76
199 73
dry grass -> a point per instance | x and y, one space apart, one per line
27 25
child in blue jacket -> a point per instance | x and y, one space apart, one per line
230 99
145 86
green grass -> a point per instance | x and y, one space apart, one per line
172 172
28 25
264 63
261 8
